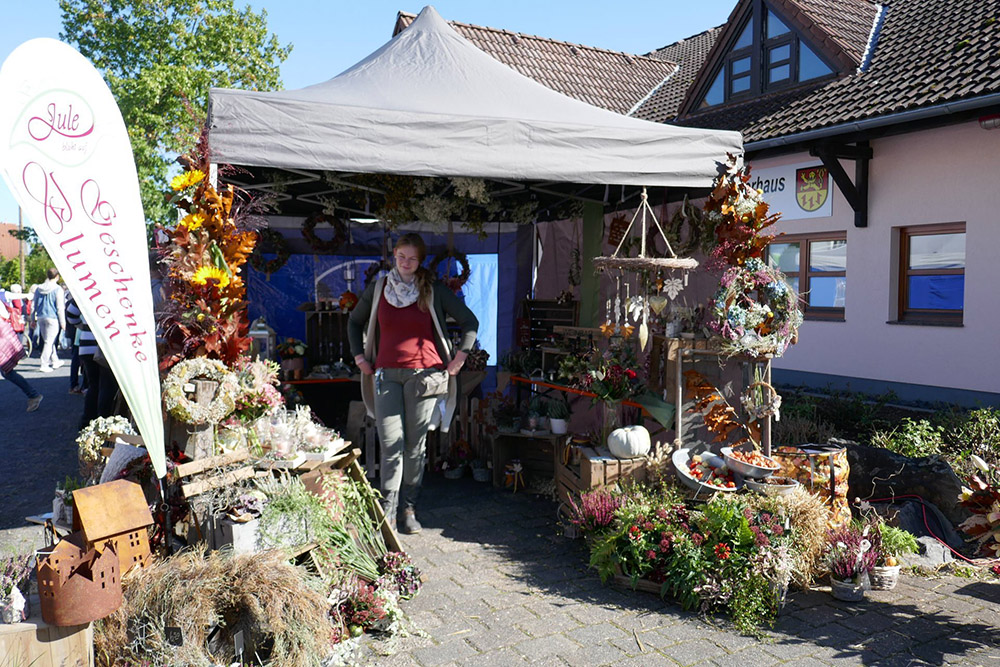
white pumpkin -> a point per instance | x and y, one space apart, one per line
629 442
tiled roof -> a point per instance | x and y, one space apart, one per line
847 23
689 54
928 52
9 246
608 79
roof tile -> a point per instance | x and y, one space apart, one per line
610 79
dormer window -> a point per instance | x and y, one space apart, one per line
766 55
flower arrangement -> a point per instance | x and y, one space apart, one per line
982 498
363 609
318 244
186 410
454 283
291 348
399 572
739 215
477 360
206 312
95 435
348 300
755 311
258 389
275 240
732 554
612 376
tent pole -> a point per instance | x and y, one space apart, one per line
590 288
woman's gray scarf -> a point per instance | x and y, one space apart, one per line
399 293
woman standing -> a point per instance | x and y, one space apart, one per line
407 366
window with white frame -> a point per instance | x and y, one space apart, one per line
932 274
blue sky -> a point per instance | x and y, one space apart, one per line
329 36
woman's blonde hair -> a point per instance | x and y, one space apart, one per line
423 275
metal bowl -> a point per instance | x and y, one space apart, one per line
746 469
680 459
772 489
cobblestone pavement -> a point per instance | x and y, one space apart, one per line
505 588
37 449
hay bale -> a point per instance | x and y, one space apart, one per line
807 514
280 609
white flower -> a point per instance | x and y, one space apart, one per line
979 463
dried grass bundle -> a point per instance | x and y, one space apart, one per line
808 515
279 608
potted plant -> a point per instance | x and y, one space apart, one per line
850 558
507 415
480 470
15 568
558 411
453 465
62 504
893 543
536 413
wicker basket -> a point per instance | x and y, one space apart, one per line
884 578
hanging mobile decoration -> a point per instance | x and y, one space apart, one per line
643 264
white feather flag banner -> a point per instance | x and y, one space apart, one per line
66 157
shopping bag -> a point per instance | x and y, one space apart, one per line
11 350
822 469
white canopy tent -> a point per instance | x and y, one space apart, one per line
430 103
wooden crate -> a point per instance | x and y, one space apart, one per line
597 469
536 453
39 644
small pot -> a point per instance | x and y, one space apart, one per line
884 577
558 426
481 474
848 591
454 473
13 607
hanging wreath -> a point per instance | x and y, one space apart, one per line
272 239
186 410
454 283
755 311
371 273
318 244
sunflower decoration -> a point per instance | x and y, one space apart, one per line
206 312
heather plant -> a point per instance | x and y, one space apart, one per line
850 555
15 568
595 512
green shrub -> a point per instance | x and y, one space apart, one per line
797 430
896 542
912 437
978 433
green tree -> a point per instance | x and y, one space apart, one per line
36 263
160 58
